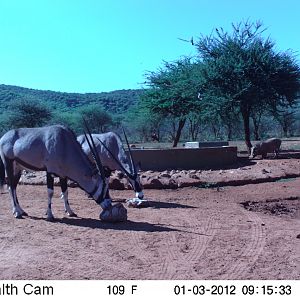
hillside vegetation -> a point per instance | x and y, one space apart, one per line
114 102
239 86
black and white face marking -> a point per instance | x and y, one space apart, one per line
137 187
100 191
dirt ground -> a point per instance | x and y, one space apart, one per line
226 231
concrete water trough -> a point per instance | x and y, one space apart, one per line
205 144
185 158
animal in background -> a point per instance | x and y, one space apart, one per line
268 146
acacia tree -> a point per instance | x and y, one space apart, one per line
28 113
195 122
219 110
287 121
98 119
142 123
173 92
244 68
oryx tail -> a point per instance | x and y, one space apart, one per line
2 173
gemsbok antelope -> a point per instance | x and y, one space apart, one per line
113 156
53 149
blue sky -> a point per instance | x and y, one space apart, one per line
104 45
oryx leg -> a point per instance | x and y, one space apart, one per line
13 177
50 189
107 195
64 196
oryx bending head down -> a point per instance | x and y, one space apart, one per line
53 149
112 154
271 145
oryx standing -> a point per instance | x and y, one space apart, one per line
113 156
53 149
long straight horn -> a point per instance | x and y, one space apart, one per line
91 147
116 160
94 150
130 154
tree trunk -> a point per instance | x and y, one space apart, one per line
229 132
178 132
193 131
194 128
256 123
255 132
285 130
246 121
256 135
215 131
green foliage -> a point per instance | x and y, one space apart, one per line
66 108
69 119
4 124
28 113
238 77
114 102
141 123
242 71
98 119
173 90
287 119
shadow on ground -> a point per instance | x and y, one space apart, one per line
98 224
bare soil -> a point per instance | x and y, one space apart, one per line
213 224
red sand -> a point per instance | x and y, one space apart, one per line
186 233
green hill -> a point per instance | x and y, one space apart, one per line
115 102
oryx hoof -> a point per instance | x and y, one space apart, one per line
18 215
72 215
24 214
50 219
